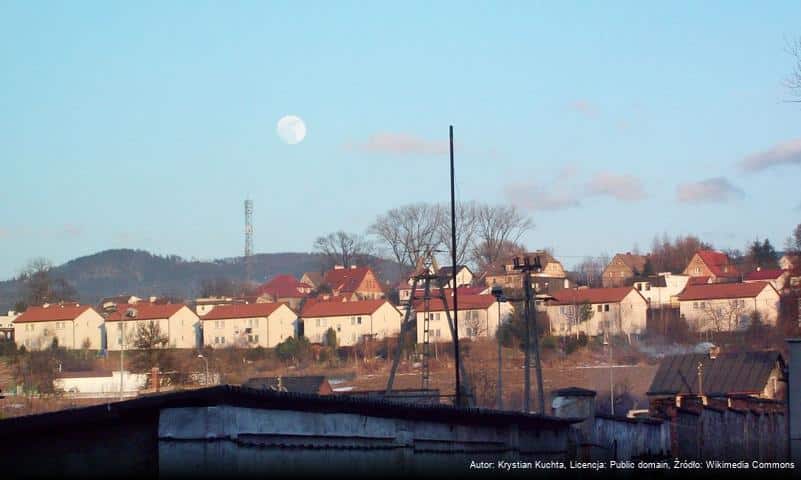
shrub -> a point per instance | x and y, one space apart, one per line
549 342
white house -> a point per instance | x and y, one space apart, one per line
479 316
728 306
661 291
74 326
464 276
249 325
176 321
352 321
615 311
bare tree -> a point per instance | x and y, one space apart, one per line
794 81
341 248
466 223
409 232
590 271
40 286
723 316
496 228
150 342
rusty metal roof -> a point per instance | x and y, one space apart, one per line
727 374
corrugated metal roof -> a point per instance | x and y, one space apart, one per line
730 373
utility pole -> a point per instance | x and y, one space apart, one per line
526 268
455 290
497 291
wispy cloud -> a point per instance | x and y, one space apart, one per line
585 108
564 189
787 153
399 143
534 197
711 190
626 188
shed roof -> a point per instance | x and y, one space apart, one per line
729 373
301 384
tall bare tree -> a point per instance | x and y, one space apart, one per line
41 286
466 227
409 232
496 228
590 271
794 81
341 248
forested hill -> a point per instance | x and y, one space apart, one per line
140 273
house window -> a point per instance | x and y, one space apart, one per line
695 305
359 320
647 287
353 320
606 307
318 322
600 308
436 332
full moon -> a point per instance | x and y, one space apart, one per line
291 129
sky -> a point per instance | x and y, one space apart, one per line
147 124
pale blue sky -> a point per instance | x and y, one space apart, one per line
146 124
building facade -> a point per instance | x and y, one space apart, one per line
728 306
73 326
479 316
176 322
352 321
623 268
597 311
249 325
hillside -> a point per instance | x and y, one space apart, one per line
137 272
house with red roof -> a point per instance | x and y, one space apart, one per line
177 322
73 325
717 266
356 283
352 321
775 276
284 288
249 325
615 311
728 306
479 316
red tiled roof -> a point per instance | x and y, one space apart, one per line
146 311
52 313
242 310
569 296
465 302
346 280
769 274
337 309
722 290
283 286
716 262
697 280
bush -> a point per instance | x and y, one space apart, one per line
549 342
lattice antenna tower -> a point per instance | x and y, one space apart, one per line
248 239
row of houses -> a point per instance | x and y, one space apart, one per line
76 326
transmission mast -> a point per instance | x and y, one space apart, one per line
248 240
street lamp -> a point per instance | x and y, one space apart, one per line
129 313
206 360
497 291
